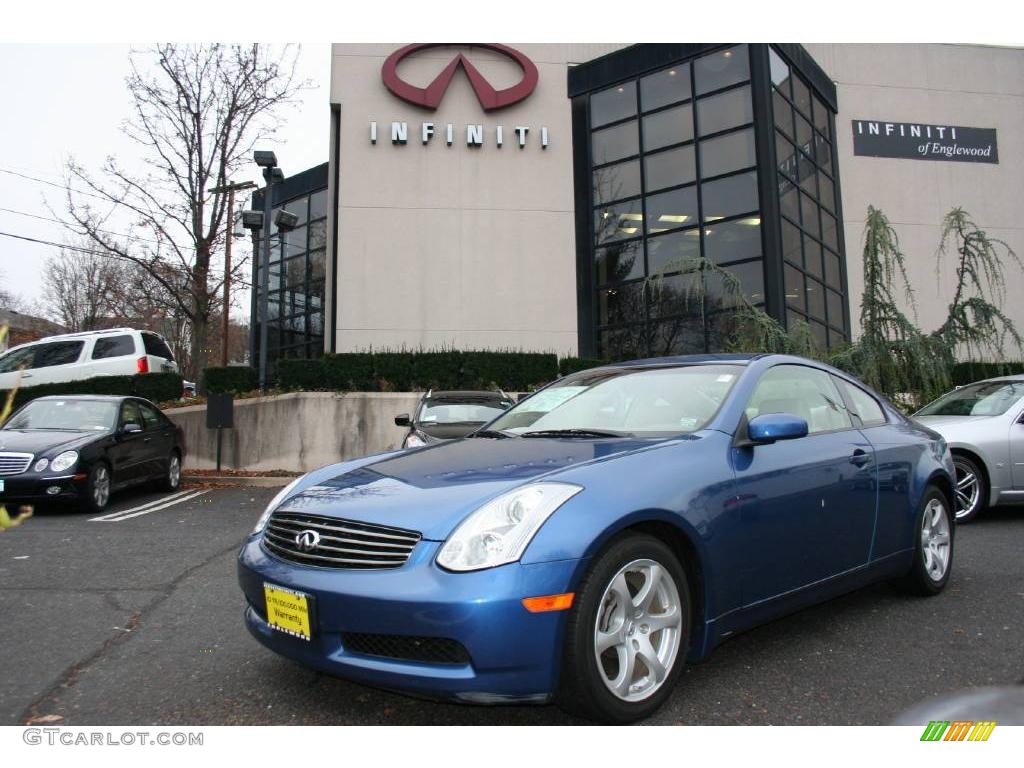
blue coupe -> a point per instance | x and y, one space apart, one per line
589 541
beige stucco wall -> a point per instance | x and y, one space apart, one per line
966 85
455 246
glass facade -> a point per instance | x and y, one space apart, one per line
295 306
673 239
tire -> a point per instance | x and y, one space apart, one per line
971 488
171 479
97 487
587 679
934 534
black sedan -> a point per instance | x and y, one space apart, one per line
451 414
82 448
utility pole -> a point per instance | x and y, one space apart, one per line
230 189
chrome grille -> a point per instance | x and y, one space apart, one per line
14 463
343 543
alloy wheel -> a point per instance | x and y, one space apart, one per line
935 539
174 471
637 631
101 487
968 488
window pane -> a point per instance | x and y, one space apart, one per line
807 174
835 309
614 143
615 103
801 391
828 230
623 343
785 156
670 168
671 126
812 257
791 243
823 153
318 234
673 295
622 261
317 263
733 240
789 202
809 215
722 68
615 182
820 334
617 222
57 353
318 205
804 137
730 152
833 270
795 288
726 110
665 87
863 405
678 336
815 299
820 114
751 285
113 346
673 252
779 70
802 95
826 191
300 208
729 196
669 210
783 113
622 304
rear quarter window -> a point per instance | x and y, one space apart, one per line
155 346
113 346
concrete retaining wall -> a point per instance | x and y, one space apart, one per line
299 431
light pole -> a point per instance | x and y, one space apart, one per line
230 188
271 173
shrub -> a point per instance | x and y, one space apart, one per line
569 365
437 370
968 372
516 371
393 371
152 386
158 387
348 371
296 374
233 379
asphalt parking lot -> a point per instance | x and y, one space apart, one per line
137 620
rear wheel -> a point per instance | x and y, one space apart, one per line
933 551
628 635
171 480
971 489
97 487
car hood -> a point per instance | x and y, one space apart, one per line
432 489
39 441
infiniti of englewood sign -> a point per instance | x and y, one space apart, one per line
490 98
921 141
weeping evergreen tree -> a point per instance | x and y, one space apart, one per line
975 325
892 354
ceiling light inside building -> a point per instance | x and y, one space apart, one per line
631 216
753 221
672 218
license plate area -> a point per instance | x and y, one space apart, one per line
289 611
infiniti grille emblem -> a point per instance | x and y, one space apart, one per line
307 540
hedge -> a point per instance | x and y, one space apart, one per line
569 365
233 379
965 373
157 387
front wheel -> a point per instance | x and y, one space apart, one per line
933 550
628 634
97 487
171 479
971 493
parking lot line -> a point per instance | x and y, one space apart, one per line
130 513
147 505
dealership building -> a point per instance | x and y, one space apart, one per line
560 197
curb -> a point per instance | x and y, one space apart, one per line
257 482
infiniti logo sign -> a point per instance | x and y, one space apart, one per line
307 540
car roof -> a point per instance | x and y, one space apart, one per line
474 394
104 398
78 336
740 358
1011 377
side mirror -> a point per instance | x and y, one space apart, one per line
403 420
769 427
131 428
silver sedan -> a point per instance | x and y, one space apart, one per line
983 423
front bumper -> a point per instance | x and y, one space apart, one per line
32 487
514 654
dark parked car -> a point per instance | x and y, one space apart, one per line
81 448
595 537
444 416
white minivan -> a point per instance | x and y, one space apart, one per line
74 356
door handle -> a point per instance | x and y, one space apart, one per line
146 439
860 457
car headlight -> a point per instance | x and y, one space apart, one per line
500 530
64 461
274 502
41 465
414 441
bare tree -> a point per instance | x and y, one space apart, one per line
197 114
80 288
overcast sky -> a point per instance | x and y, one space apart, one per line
69 100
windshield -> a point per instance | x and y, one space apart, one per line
73 415
459 413
625 401
987 398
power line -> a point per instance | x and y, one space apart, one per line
58 221
54 184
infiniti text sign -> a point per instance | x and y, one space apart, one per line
920 141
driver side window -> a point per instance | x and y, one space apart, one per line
130 414
800 391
